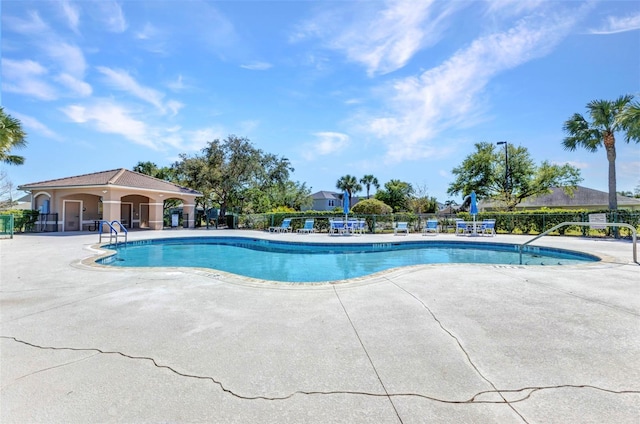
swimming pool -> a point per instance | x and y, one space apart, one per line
316 262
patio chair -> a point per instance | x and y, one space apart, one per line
285 227
462 227
401 227
488 227
307 228
336 227
431 226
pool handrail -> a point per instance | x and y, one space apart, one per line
113 233
584 224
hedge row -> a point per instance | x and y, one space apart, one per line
521 222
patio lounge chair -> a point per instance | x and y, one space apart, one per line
431 226
308 227
336 227
488 227
462 227
401 227
285 227
361 227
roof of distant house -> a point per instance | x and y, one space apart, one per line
581 197
326 195
116 177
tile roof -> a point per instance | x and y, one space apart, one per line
116 177
582 196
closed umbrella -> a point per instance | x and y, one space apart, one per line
345 204
474 210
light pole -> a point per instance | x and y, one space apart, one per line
507 185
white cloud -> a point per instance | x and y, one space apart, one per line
121 80
178 84
26 77
326 144
450 95
512 7
68 57
576 164
31 123
112 16
148 32
34 25
257 66
108 117
383 40
72 14
616 24
75 85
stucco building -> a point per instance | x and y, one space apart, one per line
134 199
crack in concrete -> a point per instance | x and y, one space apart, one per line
368 356
459 343
472 400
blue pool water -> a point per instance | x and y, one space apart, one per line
314 262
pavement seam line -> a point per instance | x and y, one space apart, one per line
473 365
375 370
471 400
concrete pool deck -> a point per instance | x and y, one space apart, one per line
429 343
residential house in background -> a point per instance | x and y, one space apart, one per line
582 198
328 201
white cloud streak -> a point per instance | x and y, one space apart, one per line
72 14
113 16
615 25
326 143
450 94
27 77
74 85
121 80
108 117
382 40
32 124
257 66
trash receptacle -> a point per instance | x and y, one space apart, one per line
231 221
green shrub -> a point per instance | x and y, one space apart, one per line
24 220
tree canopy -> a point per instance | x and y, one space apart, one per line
12 136
228 171
484 170
607 118
350 184
396 194
368 181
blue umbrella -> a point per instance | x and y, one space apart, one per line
474 209
474 204
345 202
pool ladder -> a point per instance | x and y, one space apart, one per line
113 233
584 224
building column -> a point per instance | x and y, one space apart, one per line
191 211
110 209
156 218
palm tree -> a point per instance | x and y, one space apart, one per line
368 181
350 184
607 117
12 136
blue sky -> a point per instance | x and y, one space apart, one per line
397 89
